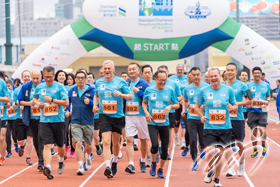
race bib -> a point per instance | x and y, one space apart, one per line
109 107
158 116
233 114
2 111
50 109
193 112
36 111
132 108
217 117
21 110
257 103
11 113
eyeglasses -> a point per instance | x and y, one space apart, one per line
48 77
80 78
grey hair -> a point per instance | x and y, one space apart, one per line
9 81
180 66
206 72
213 69
109 62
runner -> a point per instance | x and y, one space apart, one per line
23 131
257 115
192 121
51 97
147 73
31 114
172 123
135 122
158 98
4 104
243 77
81 97
90 78
124 75
237 118
206 77
181 79
110 92
219 101
263 78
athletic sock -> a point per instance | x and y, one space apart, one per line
177 134
143 160
28 158
80 164
48 166
115 158
108 163
149 157
97 147
61 159
131 163
183 139
263 145
168 150
255 148
159 144
135 141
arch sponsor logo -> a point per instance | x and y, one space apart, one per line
155 7
198 12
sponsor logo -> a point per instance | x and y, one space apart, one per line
241 49
65 42
159 104
36 65
272 72
210 95
270 56
74 94
103 86
257 58
122 11
267 67
217 103
88 95
60 59
253 88
48 53
55 48
54 91
275 76
65 54
165 96
263 62
248 53
32 90
258 94
197 11
253 47
155 8
276 63
108 94
223 95
247 41
43 91
52 64
191 92
261 51
153 96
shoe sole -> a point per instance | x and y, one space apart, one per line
229 175
40 169
80 173
210 178
129 171
161 177
20 153
108 174
47 173
60 171
152 175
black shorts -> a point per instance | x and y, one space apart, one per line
52 132
238 130
97 124
257 119
178 116
172 123
217 137
22 130
245 115
4 123
111 124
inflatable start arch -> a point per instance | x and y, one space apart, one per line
152 30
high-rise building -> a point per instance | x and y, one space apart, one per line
2 19
26 10
67 8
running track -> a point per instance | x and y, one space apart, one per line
177 171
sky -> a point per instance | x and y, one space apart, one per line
44 8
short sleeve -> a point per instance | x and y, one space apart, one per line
174 97
244 89
200 98
177 90
37 92
146 94
63 92
268 90
125 89
231 96
185 95
4 89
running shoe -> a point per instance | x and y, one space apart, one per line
142 166
264 152
99 150
108 173
84 165
183 145
114 168
124 143
255 154
88 164
47 172
120 154
153 169
241 169
83 148
230 172
81 171
2 161
65 156
217 183
72 154
135 147
177 140
195 167
149 163
168 157
130 169
60 167
21 151
91 156
185 151
160 173
209 175
29 162
52 151
16 147
9 155
40 168
202 153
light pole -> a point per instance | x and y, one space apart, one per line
8 44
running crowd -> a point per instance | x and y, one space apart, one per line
71 111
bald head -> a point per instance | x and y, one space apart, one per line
36 72
36 77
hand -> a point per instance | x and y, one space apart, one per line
7 105
70 113
31 103
183 114
148 117
41 105
248 106
203 119
135 90
86 101
12 109
275 95
15 106
117 94
48 99
95 109
229 107
265 102
167 109
67 114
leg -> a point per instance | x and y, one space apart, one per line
263 134
8 136
192 129
34 126
78 151
153 131
144 144
29 146
129 148
219 163
106 136
14 135
116 145
164 133
47 154
3 144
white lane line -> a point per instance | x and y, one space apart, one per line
169 167
270 138
245 174
93 173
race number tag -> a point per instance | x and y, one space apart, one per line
36 111
2 111
11 113
217 117
132 108
233 114
50 109
158 116
109 107
193 112
257 103
21 110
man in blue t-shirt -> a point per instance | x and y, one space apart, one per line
257 116
243 77
237 119
109 94
147 73
156 106
219 101
51 97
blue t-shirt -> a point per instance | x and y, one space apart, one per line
31 98
134 107
159 100
15 98
153 83
67 88
81 92
11 102
55 91
259 93
181 81
239 89
109 104
191 93
216 112
3 93
5 110
172 84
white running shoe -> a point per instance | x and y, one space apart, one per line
177 140
209 175
88 164
241 169
217 183
230 172
183 145
80 171
120 154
